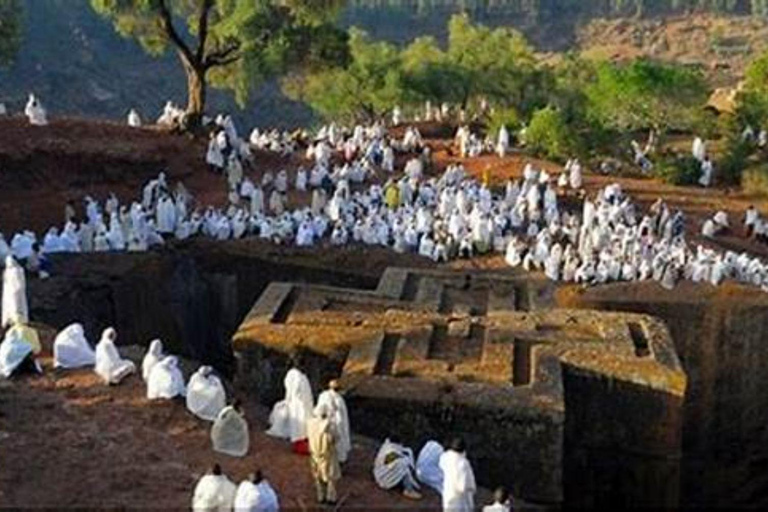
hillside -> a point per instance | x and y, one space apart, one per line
79 66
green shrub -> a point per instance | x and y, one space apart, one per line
734 161
549 135
503 116
678 170
754 181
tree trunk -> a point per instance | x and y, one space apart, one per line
196 92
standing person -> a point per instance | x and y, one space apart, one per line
459 480
15 309
324 459
333 399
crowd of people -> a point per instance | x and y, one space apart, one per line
357 194
319 430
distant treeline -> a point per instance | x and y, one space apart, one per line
547 9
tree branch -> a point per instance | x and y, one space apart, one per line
166 22
224 56
202 29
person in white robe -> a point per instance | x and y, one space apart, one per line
301 180
214 157
459 480
205 394
256 495
575 178
708 229
502 145
333 399
134 120
394 466
109 365
153 356
71 349
501 502
229 433
35 112
288 419
214 492
15 309
165 380
14 350
699 149
707 170
428 470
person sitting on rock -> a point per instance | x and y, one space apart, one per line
394 467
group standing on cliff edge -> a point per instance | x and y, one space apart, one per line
348 191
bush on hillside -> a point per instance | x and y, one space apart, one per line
754 181
678 170
548 135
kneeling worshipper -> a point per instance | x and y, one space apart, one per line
15 309
71 349
29 335
15 355
214 492
459 480
166 380
428 469
109 365
394 467
288 419
338 407
229 433
153 356
324 460
501 502
256 495
35 112
205 394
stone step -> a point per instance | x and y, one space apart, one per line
392 283
430 293
364 356
271 301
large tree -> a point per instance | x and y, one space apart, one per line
645 94
10 30
232 44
